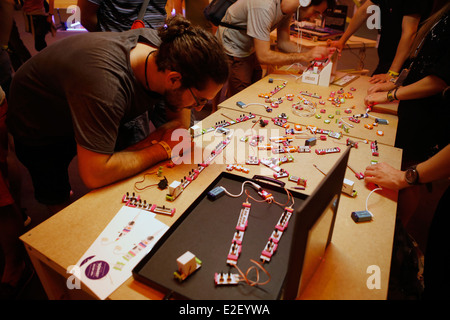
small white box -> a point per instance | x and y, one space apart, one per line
186 263
347 187
195 130
175 188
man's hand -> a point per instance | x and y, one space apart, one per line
339 45
385 176
320 53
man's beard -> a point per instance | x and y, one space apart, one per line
173 100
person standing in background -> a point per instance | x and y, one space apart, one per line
39 20
119 15
400 20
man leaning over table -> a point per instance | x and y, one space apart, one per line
72 98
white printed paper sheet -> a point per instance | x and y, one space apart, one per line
109 261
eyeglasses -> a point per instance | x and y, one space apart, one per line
198 101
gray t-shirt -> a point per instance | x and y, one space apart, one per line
81 86
259 17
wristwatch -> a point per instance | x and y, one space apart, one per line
412 176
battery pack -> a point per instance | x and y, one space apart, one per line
240 104
216 193
361 216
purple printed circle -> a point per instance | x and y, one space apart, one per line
86 260
97 270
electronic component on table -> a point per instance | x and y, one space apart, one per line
303 149
241 104
374 147
245 117
175 189
233 253
265 195
312 95
127 198
281 139
272 244
280 122
352 143
347 187
335 135
187 264
381 121
216 193
137 202
278 150
269 163
162 210
238 237
252 160
241 168
355 120
358 175
299 181
311 142
269 250
328 150
222 278
223 130
243 217
263 123
241 226
361 216
282 174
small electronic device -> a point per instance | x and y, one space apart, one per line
381 121
361 216
223 130
187 264
311 142
240 104
216 193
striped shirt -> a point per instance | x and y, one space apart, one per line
119 15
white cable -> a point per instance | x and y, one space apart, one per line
242 189
367 199
349 124
257 104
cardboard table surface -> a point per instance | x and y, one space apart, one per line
356 249
294 86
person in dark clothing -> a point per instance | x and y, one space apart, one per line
424 104
399 21
421 103
97 82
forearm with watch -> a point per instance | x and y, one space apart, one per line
435 168
426 87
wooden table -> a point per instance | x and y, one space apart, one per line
295 86
60 241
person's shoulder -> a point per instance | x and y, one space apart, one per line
149 36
